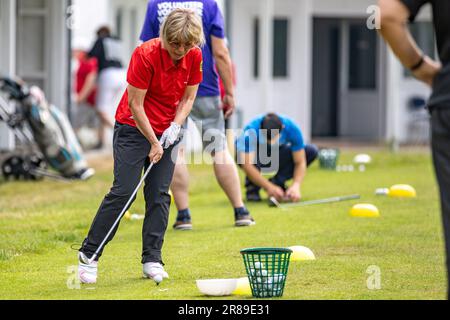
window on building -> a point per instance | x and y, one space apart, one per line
362 58
256 48
280 48
31 35
423 33
119 23
134 34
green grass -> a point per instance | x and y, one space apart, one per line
40 221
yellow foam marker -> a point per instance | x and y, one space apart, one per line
243 288
127 215
365 211
402 191
300 253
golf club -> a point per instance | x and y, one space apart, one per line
276 203
89 261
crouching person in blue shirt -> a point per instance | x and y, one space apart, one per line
274 144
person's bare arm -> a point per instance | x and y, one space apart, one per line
89 86
186 104
394 29
136 98
257 178
294 192
225 69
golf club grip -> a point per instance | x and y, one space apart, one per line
123 212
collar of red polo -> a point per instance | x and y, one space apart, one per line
168 62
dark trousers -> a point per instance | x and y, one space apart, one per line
131 150
286 167
441 155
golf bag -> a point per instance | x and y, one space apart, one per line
45 133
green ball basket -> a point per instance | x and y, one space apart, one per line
267 270
328 159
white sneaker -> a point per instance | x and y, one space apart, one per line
87 273
155 271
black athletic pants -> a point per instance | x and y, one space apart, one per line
131 150
286 167
440 122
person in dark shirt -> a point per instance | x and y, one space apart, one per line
111 81
395 15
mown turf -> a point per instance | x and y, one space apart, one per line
40 221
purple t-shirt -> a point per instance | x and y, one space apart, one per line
213 25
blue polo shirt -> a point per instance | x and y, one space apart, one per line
213 25
291 136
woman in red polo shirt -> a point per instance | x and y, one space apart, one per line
163 77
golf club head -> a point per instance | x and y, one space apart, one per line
82 257
273 202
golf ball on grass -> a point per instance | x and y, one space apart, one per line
158 279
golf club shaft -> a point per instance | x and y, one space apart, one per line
122 213
45 173
322 201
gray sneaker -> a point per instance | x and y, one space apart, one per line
244 219
183 225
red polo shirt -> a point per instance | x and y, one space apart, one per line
85 68
152 69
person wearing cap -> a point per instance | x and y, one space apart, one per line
111 80
163 79
274 143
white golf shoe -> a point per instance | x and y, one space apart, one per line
87 272
155 271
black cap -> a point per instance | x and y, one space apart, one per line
273 124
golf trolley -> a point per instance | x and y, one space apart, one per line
45 136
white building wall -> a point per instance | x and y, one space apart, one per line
59 74
133 16
54 73
341 8
88 16
7 37
7 58
248 93
290 96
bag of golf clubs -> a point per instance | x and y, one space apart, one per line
46 138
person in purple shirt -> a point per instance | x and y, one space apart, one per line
208 111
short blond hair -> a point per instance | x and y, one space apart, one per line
183 26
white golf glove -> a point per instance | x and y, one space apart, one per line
170 136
